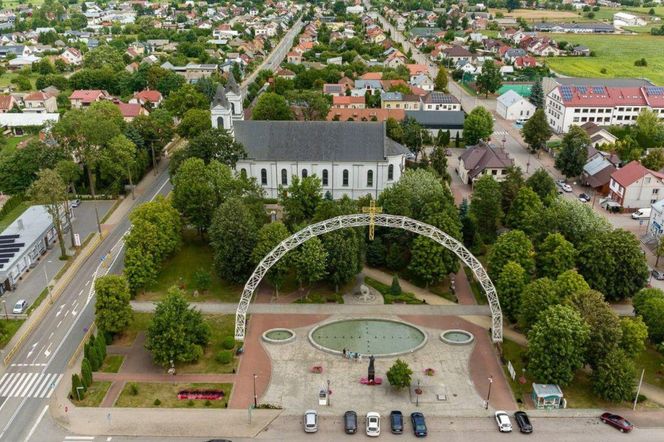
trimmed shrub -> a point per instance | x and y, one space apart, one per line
157 402
133 389
224 357
228 343
86 373
76 393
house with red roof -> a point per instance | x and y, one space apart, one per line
348 102
7 103
40 102
635 186
130 111
147 97
85 97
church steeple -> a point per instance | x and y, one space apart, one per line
231 85
220 98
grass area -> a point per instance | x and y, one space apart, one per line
9 329
194 256
578 393
167 393
38 301
95 394
221 327
640 29
475 287
653 362
12 143
7 77
442 289
614 53
384 289
537 15
112 364
140 322
13 214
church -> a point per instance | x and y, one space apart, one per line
350 158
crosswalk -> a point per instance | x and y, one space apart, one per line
500 133
35 385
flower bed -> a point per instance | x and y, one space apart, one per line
201 394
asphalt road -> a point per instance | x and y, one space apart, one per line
38 367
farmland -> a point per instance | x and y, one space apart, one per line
616 54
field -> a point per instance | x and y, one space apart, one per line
535 15
616 54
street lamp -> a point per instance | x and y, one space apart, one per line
4 305
255 397
488 395
48 286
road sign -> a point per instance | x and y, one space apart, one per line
77 240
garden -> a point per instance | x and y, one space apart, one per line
166 395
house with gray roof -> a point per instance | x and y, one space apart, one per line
483 159
439 120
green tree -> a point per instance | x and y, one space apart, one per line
86 373
510 187
141 269
536 132
555 255
440 83
194 193
569 283
510 285
573 153
77 387
399 375
605 328
485 207
104 56
177 332
310 262
50 190
654 160
526 212
649 130
557 345
343 256
613 379
313 104
269 236
118 160
439 163
511 246
576 221
300 199
634 335
271 106
19 169
213 144
477 126
543 185
537 296
489 80
184 98
112 310
613 264
649 303
194 122
395 288
537 94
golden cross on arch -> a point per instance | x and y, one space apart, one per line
372 210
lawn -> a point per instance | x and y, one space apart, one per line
11 144
653 362
578 393
167 393
95 394
384 289
614 53
13 214
140 322
179 270
9 329
112 364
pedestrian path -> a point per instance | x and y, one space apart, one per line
35 385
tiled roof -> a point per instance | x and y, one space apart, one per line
87 95
482 156
347 100
607 96
36 96
366 114
149 95
6 101
130 110
631 173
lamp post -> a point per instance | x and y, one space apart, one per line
488 395
4 305
255 397
48 286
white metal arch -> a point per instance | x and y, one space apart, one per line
360 220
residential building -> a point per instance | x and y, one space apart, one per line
7 103
436 121
483 159
84 98
636 187
148 97
512 106
597 174
130 111
40 102
656 221
397 100
344 102
72 56
440 101
599 136
365 114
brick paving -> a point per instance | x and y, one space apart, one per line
255 360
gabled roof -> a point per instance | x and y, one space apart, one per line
130 110
333 141
150 95
340 100
484 156
37 96
509 98
632 172
87 95
6 102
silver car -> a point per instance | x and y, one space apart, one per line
503 421
310 421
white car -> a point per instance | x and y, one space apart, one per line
20 307
503 421
373 424
566 187
310 421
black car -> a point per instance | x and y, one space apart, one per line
396 422
523 422
419 424
584 198
350 422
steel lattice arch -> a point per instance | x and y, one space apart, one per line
361 220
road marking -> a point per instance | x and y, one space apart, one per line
87 283
43 388
60 310
30 378
22 379
34 427
66 313
52 386
58 324
47 353
7 386
36 386
50 336
79 438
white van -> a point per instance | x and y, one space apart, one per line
641 214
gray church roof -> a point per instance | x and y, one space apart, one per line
231 84
220 98
315 141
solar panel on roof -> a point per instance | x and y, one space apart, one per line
4 261
9 236
598 89
11 246
582 89
655 90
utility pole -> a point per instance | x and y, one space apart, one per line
638 390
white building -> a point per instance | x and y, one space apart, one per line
568 105
512 106
656 221
624 19
357 9
350 158
636 187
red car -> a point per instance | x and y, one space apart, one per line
618 422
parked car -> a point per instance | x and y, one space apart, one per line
396 422
20 307
75 203
523 422
657 274
618 422
642 213
419 424
566 187
350 422
503 421
310 421
373 424
584 198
